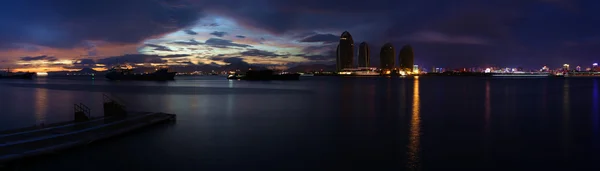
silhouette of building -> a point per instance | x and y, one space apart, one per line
345 51
363 55
407 58
338 65
386 56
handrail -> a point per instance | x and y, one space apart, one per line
86 110
106 98
83 108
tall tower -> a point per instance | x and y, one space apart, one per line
337 59
386 56
363 55
346 51
407 58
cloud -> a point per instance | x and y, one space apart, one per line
317 57
213 42
190 32
85 61
212 25
240 36
68 24
436 37
325 38
38 58
190 42
260 53
222 43
184 61
319 48
324 56
159 47
131 58
236 61
219 33
176 56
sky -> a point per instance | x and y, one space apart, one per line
52 35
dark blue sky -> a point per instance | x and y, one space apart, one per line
457 33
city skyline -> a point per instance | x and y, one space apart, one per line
191 32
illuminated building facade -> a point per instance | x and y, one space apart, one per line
363 55
595 67
386 57
345 52
407 58
566 67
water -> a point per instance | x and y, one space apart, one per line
329 123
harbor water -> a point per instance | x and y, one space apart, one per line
325 123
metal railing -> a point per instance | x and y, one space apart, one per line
83 108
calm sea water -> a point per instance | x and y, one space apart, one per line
326 123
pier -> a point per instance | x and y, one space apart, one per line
84 129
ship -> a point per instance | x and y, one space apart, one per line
361 71
264 75
307 74
126 73
522 74
12 75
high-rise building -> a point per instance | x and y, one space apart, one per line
345 52
386 56
566 67
407 58
595 67
363 55
578 68
338 66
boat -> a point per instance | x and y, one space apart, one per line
361 71
522 74
18 75
126 73
264 75
306 74
366 73
26 75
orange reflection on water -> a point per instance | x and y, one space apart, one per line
415 129
41 105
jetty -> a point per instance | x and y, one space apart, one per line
82 130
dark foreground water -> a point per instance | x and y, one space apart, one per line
326 123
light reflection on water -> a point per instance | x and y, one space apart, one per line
566 119
41 105
488 105
596 116
415 129
595 110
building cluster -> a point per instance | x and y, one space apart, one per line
388 63
567 68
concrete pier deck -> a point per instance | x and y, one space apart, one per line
33 141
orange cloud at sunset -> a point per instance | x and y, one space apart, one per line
12 58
